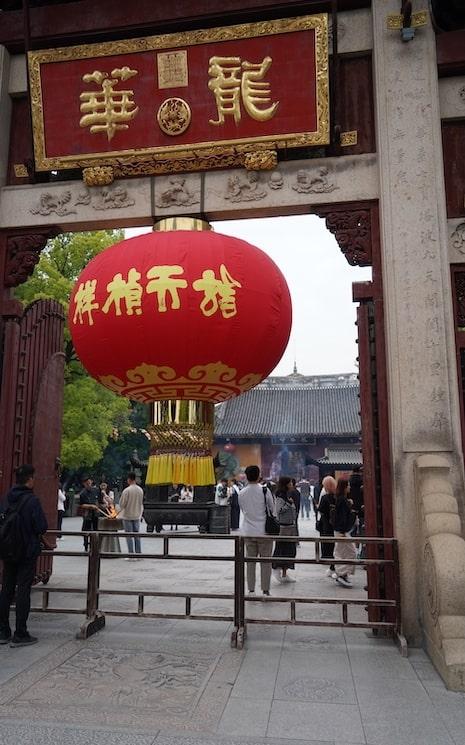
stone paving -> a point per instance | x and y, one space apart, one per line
147 681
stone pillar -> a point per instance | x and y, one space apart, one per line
423 392
5 112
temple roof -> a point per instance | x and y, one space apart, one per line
283 411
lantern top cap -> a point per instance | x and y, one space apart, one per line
181 223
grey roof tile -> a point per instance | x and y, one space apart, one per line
290 411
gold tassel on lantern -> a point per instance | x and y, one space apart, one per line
181 436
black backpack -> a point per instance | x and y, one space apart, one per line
12 546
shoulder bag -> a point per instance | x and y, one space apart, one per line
271 523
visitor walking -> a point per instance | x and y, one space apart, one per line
323 525
60 510
19 573
90 499
343 523
255 501
286 513
131 505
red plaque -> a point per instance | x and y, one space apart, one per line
217 91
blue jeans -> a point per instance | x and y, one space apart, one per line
132 526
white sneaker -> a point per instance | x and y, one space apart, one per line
343 581
288 579
330 573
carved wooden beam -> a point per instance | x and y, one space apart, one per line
23 253
352 230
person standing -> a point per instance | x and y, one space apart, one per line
60 510
20 574
255 501
221 493
304 487
344 521
90 499
131 505
286 512
234 501
325 528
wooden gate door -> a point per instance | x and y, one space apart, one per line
375 438
31 405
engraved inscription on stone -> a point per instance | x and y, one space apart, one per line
172 69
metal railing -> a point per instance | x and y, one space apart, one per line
386 610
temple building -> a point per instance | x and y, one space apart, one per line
304 426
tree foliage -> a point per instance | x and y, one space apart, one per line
92 414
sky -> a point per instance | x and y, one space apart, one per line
320 282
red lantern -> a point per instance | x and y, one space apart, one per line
184 319
180 315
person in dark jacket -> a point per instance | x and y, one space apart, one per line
344 521
20 574
326 530
90 499
287 516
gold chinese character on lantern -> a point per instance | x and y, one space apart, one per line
219 294
128 290
233 80
162 282
85 302
108 110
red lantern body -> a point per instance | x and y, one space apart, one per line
180 315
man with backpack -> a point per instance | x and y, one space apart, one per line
22 525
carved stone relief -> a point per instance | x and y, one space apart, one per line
106 198
276 180
53 203
177 194
245 189
458 238
320 183
23 253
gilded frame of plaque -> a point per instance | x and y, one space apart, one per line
207 151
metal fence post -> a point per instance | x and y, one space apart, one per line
238 633
95 619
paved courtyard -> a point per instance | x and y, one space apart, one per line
177 682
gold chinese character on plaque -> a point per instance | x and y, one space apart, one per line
108 110
233 80
172 69
174 116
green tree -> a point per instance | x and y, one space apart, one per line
91 412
